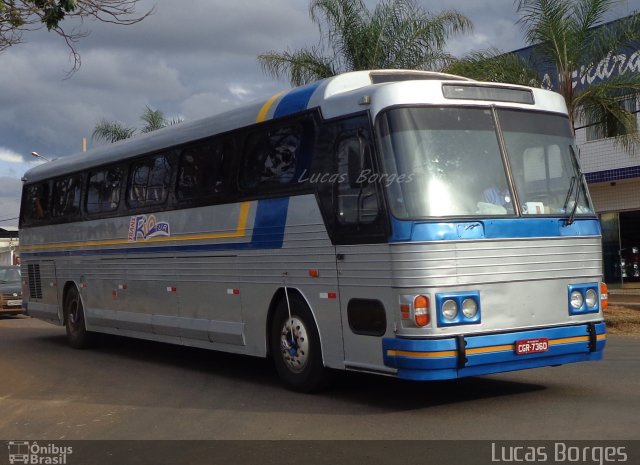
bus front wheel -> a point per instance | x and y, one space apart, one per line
77 334
295 347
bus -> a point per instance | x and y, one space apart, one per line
412 224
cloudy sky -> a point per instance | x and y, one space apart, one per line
190 58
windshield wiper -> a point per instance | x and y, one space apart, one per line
576 198
576 184
566 201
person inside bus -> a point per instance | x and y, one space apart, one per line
496 199
187 174
497 196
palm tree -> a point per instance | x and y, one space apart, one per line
494 65
113 131
396 34
572 38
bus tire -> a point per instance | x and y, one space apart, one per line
77 335
298 359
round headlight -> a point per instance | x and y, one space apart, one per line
576 299
449 309
592 298
469 308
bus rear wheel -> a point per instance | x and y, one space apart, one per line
77 335
295 347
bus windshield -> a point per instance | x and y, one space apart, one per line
447 162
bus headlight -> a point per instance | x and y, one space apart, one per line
584 298
592 298
449 309
469 308
458 308
576 299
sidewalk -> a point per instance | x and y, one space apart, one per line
625 298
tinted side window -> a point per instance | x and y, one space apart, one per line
272 156
357 198
66 196
103 192
149 181
349 185
204 170
36 204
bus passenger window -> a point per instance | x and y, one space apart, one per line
203 171
37 202
66 196
271 157
149 184
103 194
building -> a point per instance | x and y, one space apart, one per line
612 173
9 246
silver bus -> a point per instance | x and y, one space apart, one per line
410 224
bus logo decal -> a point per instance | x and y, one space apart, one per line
143 227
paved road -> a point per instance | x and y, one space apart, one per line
128 389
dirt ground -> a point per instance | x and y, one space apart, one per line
622 320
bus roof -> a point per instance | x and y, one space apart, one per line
335 96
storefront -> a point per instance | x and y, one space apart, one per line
618 205
621 248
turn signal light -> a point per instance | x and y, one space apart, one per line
421 310
604 296
404 311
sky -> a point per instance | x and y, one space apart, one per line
190 59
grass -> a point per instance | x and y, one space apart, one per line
622 320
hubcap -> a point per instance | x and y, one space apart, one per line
294 344
73 315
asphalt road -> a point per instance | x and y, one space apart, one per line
129 389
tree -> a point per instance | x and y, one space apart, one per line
572 38
113 131
494 65
396 34
20 16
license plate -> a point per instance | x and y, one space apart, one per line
532 346
14 303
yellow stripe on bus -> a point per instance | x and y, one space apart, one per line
262 115
484 350
406 353
240 231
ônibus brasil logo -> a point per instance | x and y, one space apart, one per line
32 453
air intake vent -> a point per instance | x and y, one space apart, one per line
379 77
35 283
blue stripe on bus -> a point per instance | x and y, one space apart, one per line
419 367
268 233
296 100
503 228
271 219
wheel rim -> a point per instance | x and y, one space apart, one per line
74 315
294 344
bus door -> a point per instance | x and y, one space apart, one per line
362 261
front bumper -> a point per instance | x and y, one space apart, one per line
474 355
